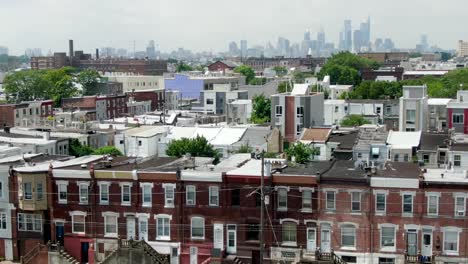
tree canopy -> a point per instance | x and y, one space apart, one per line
182 67
78 150
261 111
284 87
197 147
344 68
280 71
108 150
301 152
353 121
247 71
89 79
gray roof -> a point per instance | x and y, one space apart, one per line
432 141
310 168
254 136
346 140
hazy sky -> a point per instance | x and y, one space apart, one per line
211 24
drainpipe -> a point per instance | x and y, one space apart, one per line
371 222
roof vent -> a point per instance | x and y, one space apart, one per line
84 166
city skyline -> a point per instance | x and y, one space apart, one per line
119 25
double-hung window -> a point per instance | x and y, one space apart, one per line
387 237
104 192
3 221
433 204
214 196
27 189
289 232
78 222
110 224
126 189
279 110
307 200
169 195
39 191
146 193
451 240
407 199
163 228
457 160
83 192
380 202
282 199
457 118
190 195
197 228
355 201
62 191
330 200
348 236
460 205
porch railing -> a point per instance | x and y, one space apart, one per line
328 256
419 259
25 259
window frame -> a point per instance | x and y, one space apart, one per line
354 236
104 186
327 208
280 112
187 191
307 201
384 247
202 227
377 194
83 186
3 221
213 193
456 118
428 201
456 211
106 223
282 197
404 203
73 221
289 236
169 202
62 188
22 220
165 227
359 202
123 187
446 230
27 195
143 186
456 160
39 191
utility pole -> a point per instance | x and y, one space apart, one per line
262 207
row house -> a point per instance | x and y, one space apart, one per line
106 106
25 113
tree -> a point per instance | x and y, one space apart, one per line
354 120
260 109
60 84
89 80
245 149
182 67
280 71
108 150
300 151
299 76
284 87
78 150
258 81
196 147
247 71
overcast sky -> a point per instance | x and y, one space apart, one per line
211 24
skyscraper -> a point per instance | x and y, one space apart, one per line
151 50
347 35
320 39
233 49
307 35
243 47
365 33
358 40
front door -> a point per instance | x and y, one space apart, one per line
426 249
8 249
218 238
130 227
231 239
311 239
325 238
84 252
143 225
193 255
59 232
412 243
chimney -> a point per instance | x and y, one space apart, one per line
70 51
97 54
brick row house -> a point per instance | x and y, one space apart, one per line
193 211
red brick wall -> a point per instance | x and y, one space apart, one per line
290 119
7 115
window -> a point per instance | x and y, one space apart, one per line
30 222
78 223
451 241
380 201
279 110
214 196
457 118
330 205
410 116
104 193
39 192
62 191
456 160
386 261
460 206
1 189
282 199
307 200
190 195
387 236
348 236
355 201
83 188
378 110
336 109
110 225
235 197
169 195
139 143
198 228
126 194
146 193
300 111
3 221
299 129
209 101
426 158
407 203
163 228
253 231
406 157
27 186
432 205
289 232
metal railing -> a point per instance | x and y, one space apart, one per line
328 256
147 249
25 259
419 259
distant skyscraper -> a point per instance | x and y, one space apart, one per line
307 35
365 33
321 39
283 47
151 50
357 36
243 45
121 52
233 49
388 44
424 42
347 35
3 50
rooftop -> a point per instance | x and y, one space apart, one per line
310 168
372 134
438 101
403 139
443 176
432 141
315 135
146 131
346 139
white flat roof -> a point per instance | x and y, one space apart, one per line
146 131
60 164
334 101
403 139
435 175
300 89
438 101
228 136
425 72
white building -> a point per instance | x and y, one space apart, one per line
216 99
239 111
462 48
140 141
414 108
402 145
334 111
138 82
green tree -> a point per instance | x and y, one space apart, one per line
60 84
284 87
78 150
246 148
108 150
247 71
299 76
89 79
280 71
260 109
258 81
354 120
300 151
182 67
196 147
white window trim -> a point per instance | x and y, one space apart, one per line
385 193
210 193
326 191
163 216
60 183
281 208
173 186
2 184
451 229
104 214
122 185
150 203
432 194
302 189
356 227
78 213
194 202
24 217
86 184
388 249
101 184
191 227
455 197
402 194
289 220
360 201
